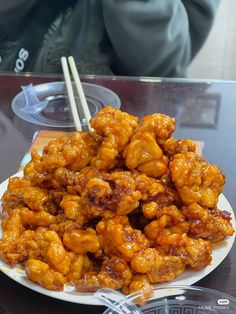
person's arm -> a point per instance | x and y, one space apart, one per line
156 37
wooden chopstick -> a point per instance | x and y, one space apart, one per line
70 93
80 91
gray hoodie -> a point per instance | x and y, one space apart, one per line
123 37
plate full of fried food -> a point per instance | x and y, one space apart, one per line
126 206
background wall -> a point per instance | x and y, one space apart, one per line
217 59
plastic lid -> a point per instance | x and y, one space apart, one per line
47 104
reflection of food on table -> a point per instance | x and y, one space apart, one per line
123 207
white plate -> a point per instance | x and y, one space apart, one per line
71 295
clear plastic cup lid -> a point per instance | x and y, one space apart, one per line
47 104
169 300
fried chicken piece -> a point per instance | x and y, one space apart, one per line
17 244
52 251
115 274
20 249
157 124
212 225
179 228
155 168
81 241
32 218
154 190
80 265
107 154
165 238
96 197
142 149
58 257
139 282
73 152
12 226
116 128
83 177
174 146
63 178
143 152
89 282
166 217
118 238
113 121
63 225
143 261
25 195
166 268
73 209
195 253
196 180
115 192
148 187
40 272
150 210
158 268
71 205
172 211
31 172
11 202
156 227
125 195
20 193
11 231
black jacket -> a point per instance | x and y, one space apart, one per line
124 37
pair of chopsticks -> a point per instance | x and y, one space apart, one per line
79 89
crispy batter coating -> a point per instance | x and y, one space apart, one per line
11 201
118 238
12 229
73 152
213 225
167 218
42 218
115 192
148 187
158 268
143 152
173 146
41 273
156 227
139 282
81 241
112 121
195 253
165 268
115 274
52 251
80 265
73 209
20 193
124 207
196 180
160 125
116 129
